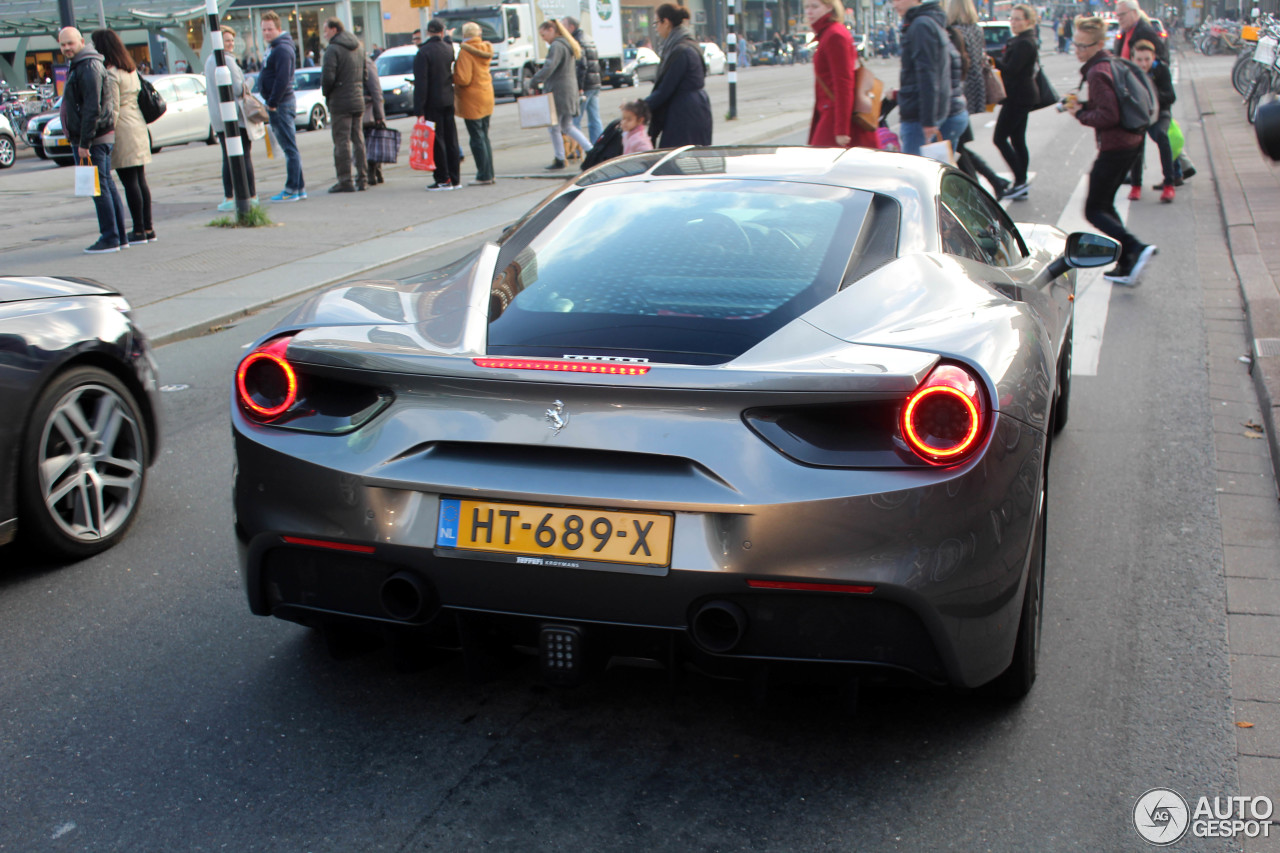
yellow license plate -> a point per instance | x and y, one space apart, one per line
58 142
572 533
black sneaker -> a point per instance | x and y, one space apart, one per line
102 247
1001 189
342 188
1188 172
1122 272
1144 255
440 186
555 164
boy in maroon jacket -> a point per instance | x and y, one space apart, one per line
1118 149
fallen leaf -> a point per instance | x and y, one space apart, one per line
1242 724
1250 425
1253 435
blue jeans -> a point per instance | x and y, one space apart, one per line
108 203
590 106
912 133
282 118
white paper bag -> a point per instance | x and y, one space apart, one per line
87 182
537 110
256 129
940 151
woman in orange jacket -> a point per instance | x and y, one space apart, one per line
473 97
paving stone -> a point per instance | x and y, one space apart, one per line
1262 484
1240 443
1246 463
1240 506
1258 597
1258 532
1263 737
1250 561
1252 634
1255 678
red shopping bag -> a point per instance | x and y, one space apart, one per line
422 145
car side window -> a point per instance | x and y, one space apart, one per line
956 240
185 87
165 88
984 220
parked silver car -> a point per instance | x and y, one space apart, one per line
809 429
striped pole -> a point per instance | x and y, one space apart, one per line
228 114
732 39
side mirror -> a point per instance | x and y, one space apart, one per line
1085 250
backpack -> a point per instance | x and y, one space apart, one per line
608 146
1136 95
150 102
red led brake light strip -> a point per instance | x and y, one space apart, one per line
599 367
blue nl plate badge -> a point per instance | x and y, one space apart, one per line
447 528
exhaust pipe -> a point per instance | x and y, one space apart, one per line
405 596
719 626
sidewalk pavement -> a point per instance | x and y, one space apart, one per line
381 226
1242 307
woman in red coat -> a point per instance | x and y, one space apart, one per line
834 67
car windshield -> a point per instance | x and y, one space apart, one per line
309 79
697 271
401 64
490 25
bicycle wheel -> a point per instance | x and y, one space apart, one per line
1245 72
1261 85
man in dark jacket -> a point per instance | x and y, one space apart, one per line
342 84
89 121
433 100
588 79
1117 149
276 85
1144 53
1135 26
925 94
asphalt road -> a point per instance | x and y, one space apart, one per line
144 708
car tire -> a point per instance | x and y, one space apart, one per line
155 149
316 119
1015 682
64 161
1062 406
212 138
8 151
40 152
69 422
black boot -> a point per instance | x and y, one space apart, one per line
555 164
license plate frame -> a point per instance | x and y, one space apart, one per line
509 528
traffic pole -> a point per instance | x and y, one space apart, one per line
229 115
732 39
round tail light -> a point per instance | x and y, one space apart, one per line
266 382
943 421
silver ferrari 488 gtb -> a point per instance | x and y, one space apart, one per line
728 408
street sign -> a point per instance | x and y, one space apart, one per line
419 4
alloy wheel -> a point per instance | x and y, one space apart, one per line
91 463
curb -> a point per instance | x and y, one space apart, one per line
215 321
1257 286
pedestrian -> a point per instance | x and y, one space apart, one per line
433 100
1064 34
89 121
310 61
473 94
963 27
1144 54
214 103
635 127
680 108
416 38
835 71
1117 149
1018 65
925 102
589 78
342 84
1135 26
375 116
559 77
132 150
275 82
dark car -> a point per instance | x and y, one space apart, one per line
78 388
792 408
36 124
996 34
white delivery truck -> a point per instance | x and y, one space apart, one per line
518 51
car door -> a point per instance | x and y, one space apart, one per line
999 244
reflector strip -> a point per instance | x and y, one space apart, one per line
333 546
599 367
801 586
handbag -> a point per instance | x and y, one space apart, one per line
995 86
867 84
422 146
537 110
87 185
1176 140
1047 96
255 112
150 102
940 151
382 145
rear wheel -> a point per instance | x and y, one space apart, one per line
316 120
1016 681
8 151
84 465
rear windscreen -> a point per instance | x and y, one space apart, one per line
687 271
